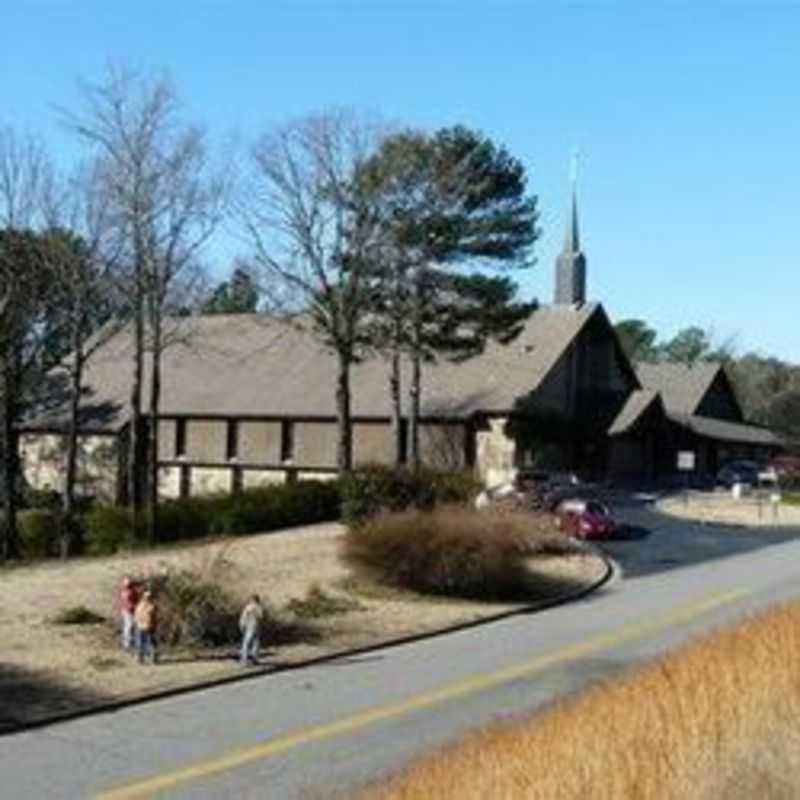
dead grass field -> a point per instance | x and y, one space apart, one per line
716 719
47 668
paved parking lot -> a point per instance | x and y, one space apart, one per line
651 541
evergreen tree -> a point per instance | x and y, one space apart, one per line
445 202
239 295
637 339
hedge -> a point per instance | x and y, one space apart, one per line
376 488
110 528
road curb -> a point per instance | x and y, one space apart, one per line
12 726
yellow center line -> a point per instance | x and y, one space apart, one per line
476 683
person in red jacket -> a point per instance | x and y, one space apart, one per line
128 600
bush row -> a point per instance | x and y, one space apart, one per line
103 530
110 528
377 488
366 491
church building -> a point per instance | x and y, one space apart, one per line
248 400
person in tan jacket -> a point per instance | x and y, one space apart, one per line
145 618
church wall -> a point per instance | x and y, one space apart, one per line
43 463
553 393
372 443
720 402
206 440
259 442
315 444
496 452
443 446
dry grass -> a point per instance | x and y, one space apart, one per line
716 719
74 662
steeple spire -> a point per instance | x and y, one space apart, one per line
571 262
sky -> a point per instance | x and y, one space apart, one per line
686 117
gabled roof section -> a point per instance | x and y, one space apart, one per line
724 430
682 387
252 365
636 406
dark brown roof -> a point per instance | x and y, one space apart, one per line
638 402
253 365
682 387
726 431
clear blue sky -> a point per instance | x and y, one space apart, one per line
687 117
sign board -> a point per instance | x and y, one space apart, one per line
686 460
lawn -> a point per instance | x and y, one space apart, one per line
50 667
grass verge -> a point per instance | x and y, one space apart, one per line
715 719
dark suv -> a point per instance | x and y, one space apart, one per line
738 472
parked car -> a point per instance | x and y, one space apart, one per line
787 468
586 519
745 472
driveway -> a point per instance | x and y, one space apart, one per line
652 541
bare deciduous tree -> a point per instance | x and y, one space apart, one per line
167 202
314 236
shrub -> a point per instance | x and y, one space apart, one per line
318 603
452 551
189 518
273 507
108 529
104 663
38 533
77 615
48 499
202 610
377 488
194 609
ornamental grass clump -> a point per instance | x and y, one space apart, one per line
453 551
714 719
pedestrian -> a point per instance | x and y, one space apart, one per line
128 599
250 625
146 618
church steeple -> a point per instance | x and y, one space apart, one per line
571 262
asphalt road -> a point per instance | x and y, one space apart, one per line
312 733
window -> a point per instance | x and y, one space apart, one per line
403 450
180 438
232 443
287 440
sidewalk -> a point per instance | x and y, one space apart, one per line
721 508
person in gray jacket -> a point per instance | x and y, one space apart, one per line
250 626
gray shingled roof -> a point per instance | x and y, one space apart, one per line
637 404
726 431
681 387
252 365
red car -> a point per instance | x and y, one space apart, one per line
586 519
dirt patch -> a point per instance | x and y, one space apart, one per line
47 669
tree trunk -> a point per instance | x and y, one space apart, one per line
397 419
155 402
344 449
72 443
416 376
135 440
413 415
10 540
